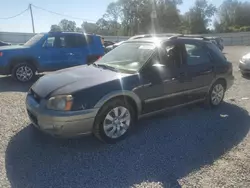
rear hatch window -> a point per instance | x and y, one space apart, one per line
216 52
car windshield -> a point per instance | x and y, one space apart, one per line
128 56
34 40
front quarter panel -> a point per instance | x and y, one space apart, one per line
97 96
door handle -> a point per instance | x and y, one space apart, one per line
70 54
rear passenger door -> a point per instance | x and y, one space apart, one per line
200 69
75 49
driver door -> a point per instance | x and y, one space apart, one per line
52 55
162 85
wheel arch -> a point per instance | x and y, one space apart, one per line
16 60
219 79
130 96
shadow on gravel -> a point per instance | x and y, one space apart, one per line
8 84
162 149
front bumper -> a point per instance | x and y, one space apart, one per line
244 67
61 124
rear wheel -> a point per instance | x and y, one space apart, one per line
216 94
23 72
114 121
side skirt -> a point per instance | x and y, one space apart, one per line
169 109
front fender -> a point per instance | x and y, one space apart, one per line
114 94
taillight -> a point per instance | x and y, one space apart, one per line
1 54
99 57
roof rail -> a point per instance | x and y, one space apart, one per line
189 36
175 36
153 35
196 36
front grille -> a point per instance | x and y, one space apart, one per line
32 117
35 96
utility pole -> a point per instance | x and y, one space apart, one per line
31 14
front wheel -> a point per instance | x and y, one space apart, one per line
114 121
23 72
216 94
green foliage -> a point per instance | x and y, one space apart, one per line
131 17
197 19
55 28
233 16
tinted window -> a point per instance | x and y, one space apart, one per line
216 52
196 54
73 41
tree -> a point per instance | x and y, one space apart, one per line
79 30
233 15
67 25
199 16
89 27
55 28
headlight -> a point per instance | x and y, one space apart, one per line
62 103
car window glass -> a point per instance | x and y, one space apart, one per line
128 56
172 55
50 42
73 41
196 54
216 51
34 40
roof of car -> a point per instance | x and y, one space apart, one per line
73 33
164 39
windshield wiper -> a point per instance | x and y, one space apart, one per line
105 66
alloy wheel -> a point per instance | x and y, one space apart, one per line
117 122
217 94
24 73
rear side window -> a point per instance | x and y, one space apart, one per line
197 54
216 52
73 41
89 39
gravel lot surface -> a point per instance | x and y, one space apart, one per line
190 147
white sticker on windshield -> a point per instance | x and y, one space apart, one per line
146 47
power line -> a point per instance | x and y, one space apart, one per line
15 15
52 12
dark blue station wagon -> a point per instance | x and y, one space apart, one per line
137 79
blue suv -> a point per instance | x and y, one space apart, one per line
49 52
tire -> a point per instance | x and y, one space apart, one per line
104 126
216 94
23 72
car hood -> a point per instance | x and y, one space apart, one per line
70 80
12 47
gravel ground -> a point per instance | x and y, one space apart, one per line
190 147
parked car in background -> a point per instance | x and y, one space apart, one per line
108 43
49 52
135 80
4 43
111 47
244 65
